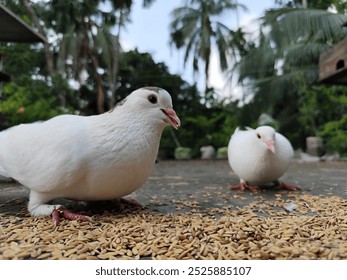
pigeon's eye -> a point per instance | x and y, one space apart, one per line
153 99
258 135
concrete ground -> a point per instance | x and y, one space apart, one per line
190 213
205 183
202 180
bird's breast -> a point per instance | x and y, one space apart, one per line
260 169
115 183
118 171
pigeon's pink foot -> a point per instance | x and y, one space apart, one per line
289 187
244 186
55 217
67 215
131 202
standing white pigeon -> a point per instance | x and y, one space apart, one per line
259 156
97 157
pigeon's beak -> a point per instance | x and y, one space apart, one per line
172 118
271 145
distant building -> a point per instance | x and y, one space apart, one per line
333 65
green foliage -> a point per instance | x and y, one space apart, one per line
195 27
31 95
200 125
212 126
222 152
323 112
21 60
340 5
26 100
335 135
286 56
29 103
183 153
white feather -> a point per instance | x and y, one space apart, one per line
98 157
251 159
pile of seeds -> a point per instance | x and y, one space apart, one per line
315 228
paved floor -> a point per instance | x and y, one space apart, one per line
177 185
190 213
206 183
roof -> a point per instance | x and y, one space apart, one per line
13 29
333 64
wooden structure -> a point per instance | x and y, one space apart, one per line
13 29
333 65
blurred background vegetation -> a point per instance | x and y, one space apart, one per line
83 69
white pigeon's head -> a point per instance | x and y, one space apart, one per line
267 137
155 102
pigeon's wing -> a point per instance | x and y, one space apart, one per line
285 149
45 155
239 145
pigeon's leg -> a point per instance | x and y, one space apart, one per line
37 204
288 187
37 207
244 186
67 215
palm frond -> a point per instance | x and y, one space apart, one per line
300 25
258 63
223 47
195 27
192 44
304 54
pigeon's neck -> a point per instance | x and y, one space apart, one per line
129 135
134 122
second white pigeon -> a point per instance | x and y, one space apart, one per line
259 156
99 157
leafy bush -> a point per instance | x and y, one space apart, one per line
25 104
335 134
323 112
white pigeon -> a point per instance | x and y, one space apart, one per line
97 157
259 157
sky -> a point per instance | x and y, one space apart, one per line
149 32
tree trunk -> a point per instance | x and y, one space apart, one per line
99 84
48 53
115 64
206 79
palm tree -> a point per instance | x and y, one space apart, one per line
85 42
285 60
72 22
196 27
289 46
